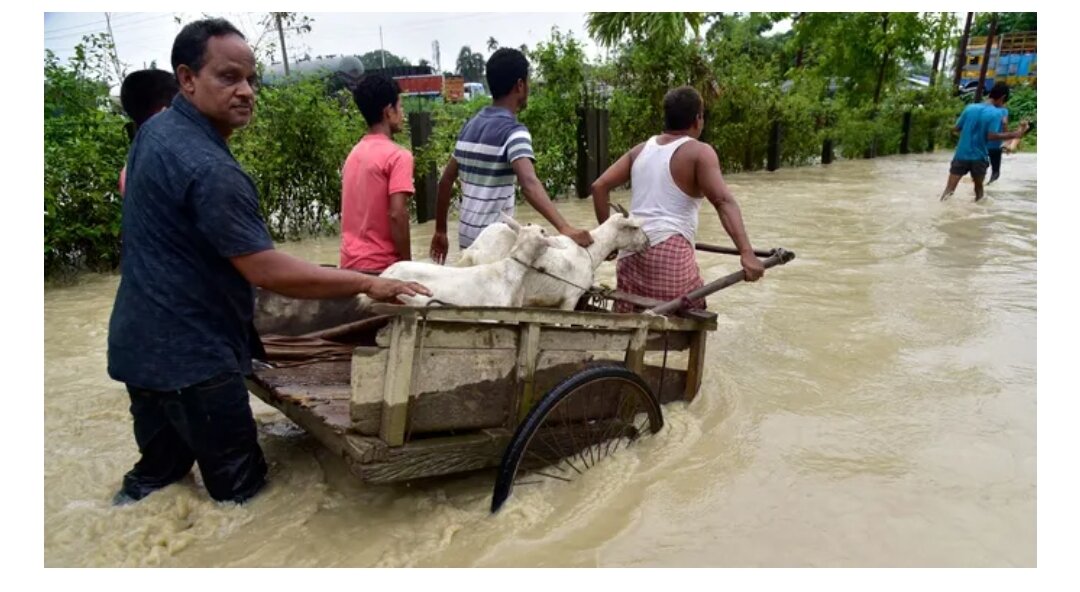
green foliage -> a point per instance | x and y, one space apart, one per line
85 147
865 50
557 92
803 118
640 76
470 65
1023 105
1008 22
373 60
293 149
663 28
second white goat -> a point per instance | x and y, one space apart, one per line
559 277
495 283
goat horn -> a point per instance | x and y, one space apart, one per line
619 209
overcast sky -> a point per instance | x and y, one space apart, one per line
142 37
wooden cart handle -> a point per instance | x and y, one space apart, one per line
775 257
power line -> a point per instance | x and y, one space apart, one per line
91 24
122 27
60 30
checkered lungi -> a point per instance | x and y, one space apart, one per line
665 271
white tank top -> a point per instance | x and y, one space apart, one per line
663 208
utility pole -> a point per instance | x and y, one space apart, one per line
382 52
112 50
281 35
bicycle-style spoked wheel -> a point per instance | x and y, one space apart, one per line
584 419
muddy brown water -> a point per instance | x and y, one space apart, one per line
870 404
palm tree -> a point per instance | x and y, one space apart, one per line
492 44
470 64
655 28
608 28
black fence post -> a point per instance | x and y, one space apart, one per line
420 127
583 181
827 151
906 137
930 140
592 152
774 147
603 138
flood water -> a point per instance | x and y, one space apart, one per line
870 404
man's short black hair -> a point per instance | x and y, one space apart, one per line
504 68
1000 91
189 48
145 92
681 108
374 93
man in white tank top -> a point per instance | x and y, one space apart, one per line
670 174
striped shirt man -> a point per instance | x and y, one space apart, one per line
485 149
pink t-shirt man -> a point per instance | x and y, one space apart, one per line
375 169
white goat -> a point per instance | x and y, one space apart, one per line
497 283
491 244
560 277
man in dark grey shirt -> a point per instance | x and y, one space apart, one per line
194 243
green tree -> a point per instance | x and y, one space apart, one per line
373 60
554 99
85 147
662 28
293 149
492 44
470 64
1008 22
864 50
275 28
942 27
653 55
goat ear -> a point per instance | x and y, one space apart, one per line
513 224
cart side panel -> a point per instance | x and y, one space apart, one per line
464 376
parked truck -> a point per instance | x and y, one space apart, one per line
420 81
1012 59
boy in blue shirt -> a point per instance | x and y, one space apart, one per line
978 125
993 147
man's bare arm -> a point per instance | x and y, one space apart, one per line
440 245
290 276
538 198
615 175
711 182
1008 135
399 225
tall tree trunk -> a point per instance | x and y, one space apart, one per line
944 60
934 69
941 48
884 60
799 54
961 53
281 35
986 57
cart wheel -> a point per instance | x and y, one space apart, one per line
584 419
